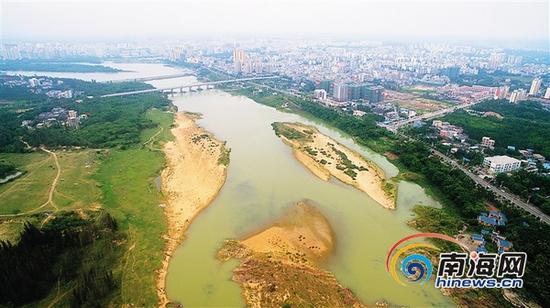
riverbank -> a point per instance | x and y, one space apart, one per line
278 265
195 173
325 157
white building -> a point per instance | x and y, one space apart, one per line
501 163
33 82
487 142
535 86
320 94
517 95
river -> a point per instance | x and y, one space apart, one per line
264 179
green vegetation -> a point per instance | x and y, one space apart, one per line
6 169
430 219
121 182
390 188
118 180
126 178
364 130
111 121
463 201
283 129
30 190
264 97
203 73
525 125
47 66
457 187
346 164
75 188
528 185
224 156
494 79
69 251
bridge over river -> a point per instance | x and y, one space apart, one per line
150 78
189 86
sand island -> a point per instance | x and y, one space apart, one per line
195 173
278 265
325 157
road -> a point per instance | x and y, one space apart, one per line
533 210
187 86
435 114
150 78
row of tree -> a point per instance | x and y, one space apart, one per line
528 185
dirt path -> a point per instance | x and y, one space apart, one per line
50 192
149 142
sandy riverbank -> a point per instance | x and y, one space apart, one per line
195 173
278 265
325 157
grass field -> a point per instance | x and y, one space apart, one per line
30 190
120 181
127 183
75 188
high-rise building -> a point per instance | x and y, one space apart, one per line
535 86
373 93
11 52
501 92
496 59
547 93
239 55
356 91
517 95
340 92
326 85
239 61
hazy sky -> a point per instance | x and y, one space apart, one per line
404 20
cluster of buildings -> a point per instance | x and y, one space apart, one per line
493 218
244 64
454 137
39 85
60 93
56 116
342 92
534 92
449 131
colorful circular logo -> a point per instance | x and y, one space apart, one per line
415 267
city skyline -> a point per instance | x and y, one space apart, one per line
499 22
